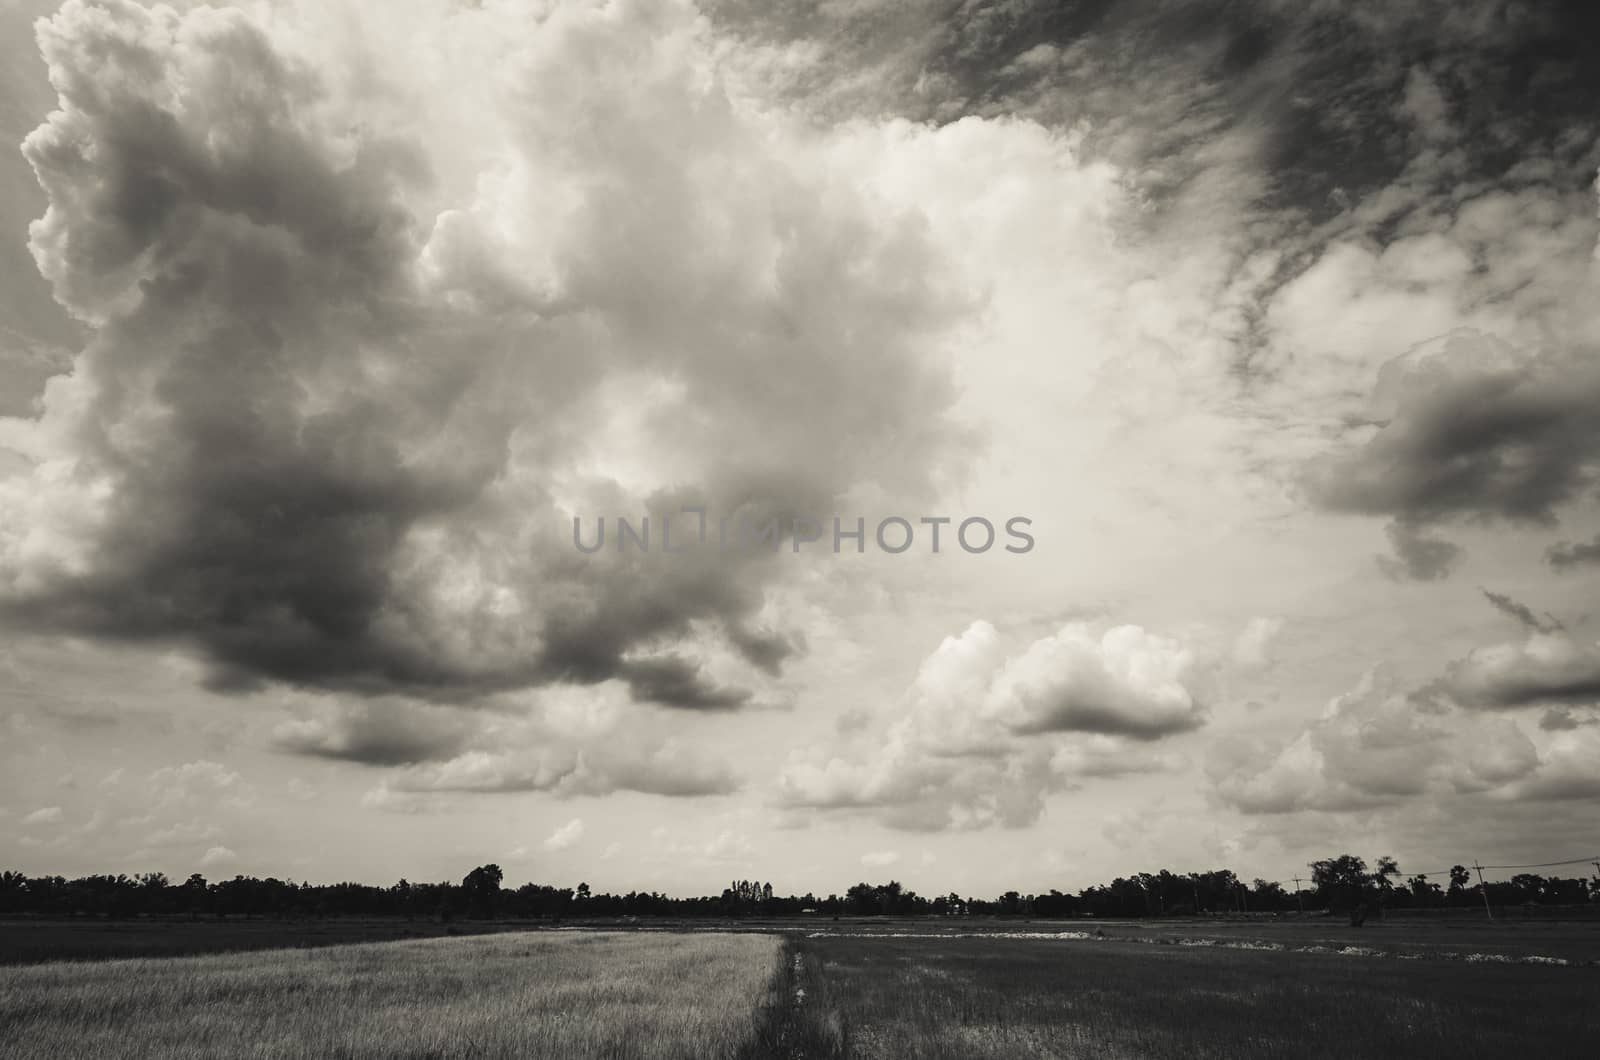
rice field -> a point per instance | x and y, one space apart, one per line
973 997
880 991
562 995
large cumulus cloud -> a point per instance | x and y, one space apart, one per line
371 322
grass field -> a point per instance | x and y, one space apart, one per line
977 997
36 941
559 995
851 989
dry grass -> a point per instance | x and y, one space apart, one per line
560 995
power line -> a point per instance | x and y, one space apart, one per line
1547 864
1296 880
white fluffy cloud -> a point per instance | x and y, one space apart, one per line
1127 682
981 738
566 837
217 857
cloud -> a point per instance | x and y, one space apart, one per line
669 769
566 741
675 682
980 738
1565 555
1568 770
1549 668
46 815
201 779
880 859
1127 683
216 857
376 733
406 298
1381 749
565 837
1522 613
1468 429
1372 747
1418 556
182 834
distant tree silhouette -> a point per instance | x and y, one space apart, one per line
481 889
1342 884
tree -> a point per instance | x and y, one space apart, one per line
481 889
1343 883
1424 892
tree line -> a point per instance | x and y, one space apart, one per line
1344 884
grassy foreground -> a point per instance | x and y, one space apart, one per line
877 995
559 995
970 998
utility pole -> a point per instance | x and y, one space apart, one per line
1298 897
1484 889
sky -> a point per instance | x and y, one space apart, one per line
320 330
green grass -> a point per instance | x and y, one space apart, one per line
979 997
558 995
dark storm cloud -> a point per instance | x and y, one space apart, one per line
676 682
1513 443
1559 720
1472 432
377 734
316 426
1566 555
1320 82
